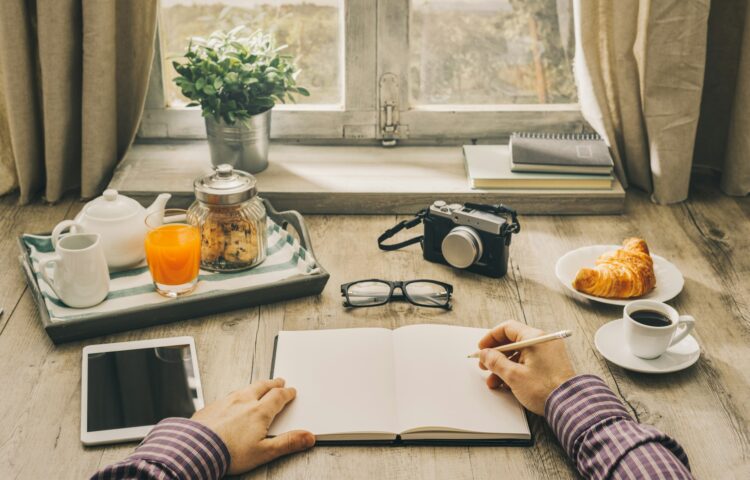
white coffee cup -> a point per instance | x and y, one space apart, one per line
81 276
646 341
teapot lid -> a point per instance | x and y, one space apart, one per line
226 186
111 206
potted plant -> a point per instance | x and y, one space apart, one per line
237 79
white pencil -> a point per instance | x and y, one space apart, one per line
527 343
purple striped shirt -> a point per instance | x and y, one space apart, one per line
176 448
592 425
604 441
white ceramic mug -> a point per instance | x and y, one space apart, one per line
81 276
647 341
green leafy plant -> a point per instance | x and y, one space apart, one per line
233 77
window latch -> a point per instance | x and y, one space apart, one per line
390 128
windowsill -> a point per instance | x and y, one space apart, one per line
347 180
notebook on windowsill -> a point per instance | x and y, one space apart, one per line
489 166
582 153
409 385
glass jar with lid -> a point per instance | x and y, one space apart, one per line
231 218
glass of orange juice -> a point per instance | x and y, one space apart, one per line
173 252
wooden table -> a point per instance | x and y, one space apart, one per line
706 407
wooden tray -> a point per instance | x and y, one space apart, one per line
184 307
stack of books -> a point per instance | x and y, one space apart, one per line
541 161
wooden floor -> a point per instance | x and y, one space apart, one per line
706 407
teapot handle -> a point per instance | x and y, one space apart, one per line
61 227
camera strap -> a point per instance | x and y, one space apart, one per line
510 227
404 224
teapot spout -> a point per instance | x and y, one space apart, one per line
159 203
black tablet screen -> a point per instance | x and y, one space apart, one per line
134 388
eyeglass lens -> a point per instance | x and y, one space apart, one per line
368 293
427 293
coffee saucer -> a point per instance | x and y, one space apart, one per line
609 341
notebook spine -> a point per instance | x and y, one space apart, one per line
556 136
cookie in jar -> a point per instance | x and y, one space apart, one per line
231 218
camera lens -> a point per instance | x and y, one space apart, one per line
462 247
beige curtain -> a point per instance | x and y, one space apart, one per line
723 139
74 75
736 178
8 178
640 72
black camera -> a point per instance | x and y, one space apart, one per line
473 237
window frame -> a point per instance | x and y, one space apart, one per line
373 35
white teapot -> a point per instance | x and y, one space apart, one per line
121 222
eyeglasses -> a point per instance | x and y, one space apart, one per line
373 292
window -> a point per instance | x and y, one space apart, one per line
421 71
490 52
309 29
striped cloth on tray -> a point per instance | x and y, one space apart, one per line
285 258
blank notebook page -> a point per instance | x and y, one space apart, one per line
344 381
438 387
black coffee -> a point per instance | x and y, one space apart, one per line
651 318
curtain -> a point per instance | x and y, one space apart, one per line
8 179
736 178
723 139
640 67
74 75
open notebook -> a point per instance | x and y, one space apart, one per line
412 384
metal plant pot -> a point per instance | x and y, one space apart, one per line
243 145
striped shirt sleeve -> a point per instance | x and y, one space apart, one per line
604 441
176 448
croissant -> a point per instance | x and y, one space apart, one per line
624 273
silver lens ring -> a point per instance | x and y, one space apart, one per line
462 247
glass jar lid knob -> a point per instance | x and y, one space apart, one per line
226 186
224 170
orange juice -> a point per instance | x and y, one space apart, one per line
173 253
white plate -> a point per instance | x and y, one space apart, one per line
669 280
608 341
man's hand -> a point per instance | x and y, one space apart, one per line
536 371
242 419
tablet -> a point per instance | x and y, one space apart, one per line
128 387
